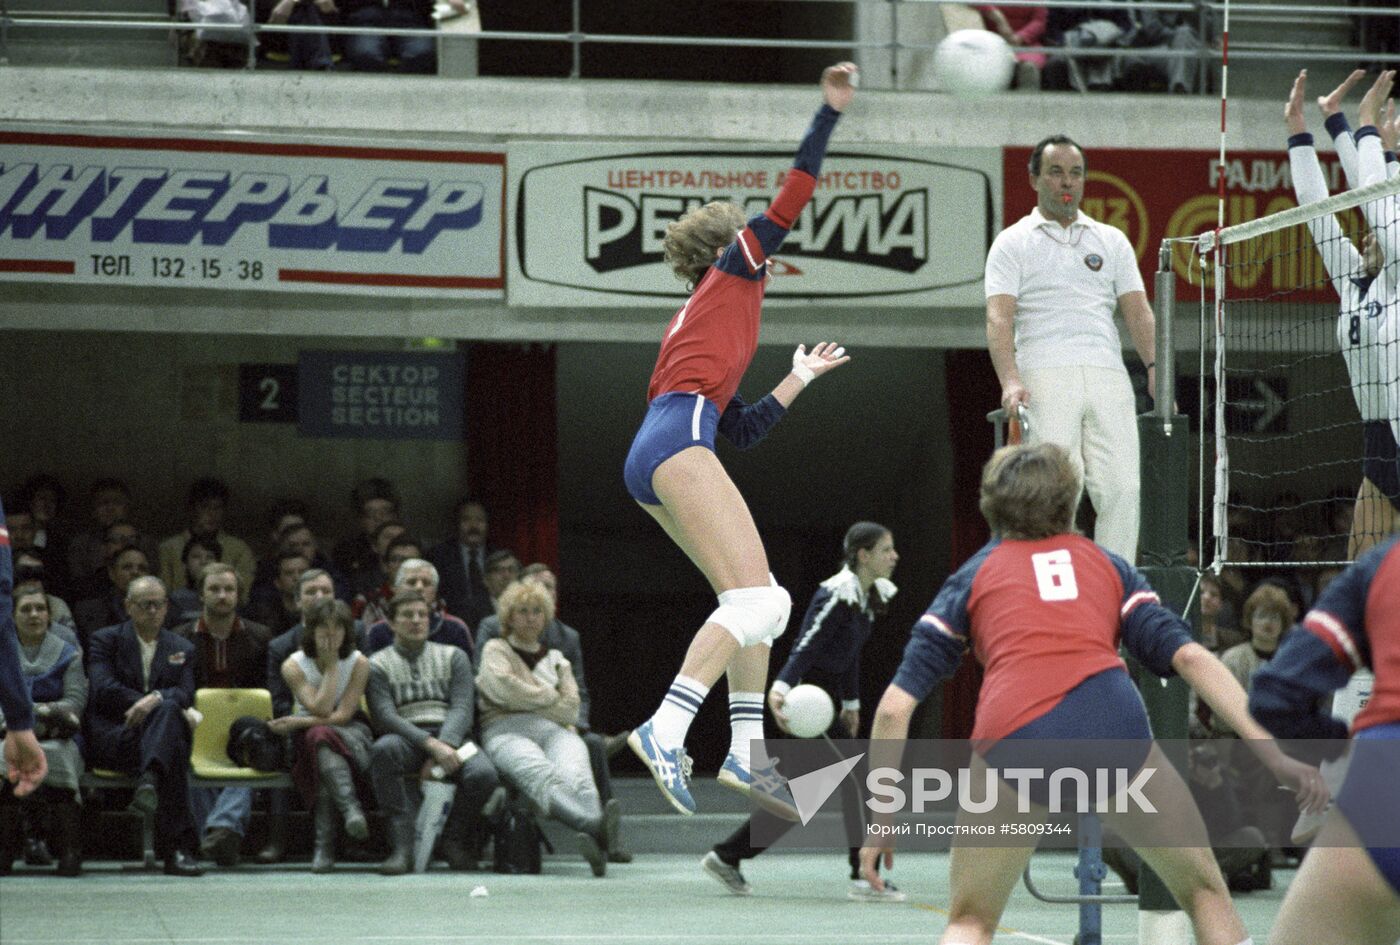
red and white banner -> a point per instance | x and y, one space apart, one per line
249 213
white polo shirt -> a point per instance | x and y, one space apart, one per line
1066 282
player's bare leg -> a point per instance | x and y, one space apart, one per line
1175 843
981 879
706 516
1374 520
1338 895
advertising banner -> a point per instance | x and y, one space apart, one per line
248 213
886 227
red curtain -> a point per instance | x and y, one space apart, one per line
512 446
972 391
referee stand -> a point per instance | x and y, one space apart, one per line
1165 510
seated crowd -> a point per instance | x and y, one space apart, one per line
395 673
391 665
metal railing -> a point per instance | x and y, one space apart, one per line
1205 14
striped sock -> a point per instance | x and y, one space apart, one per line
676 712
745 723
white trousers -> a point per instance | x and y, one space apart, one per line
1092 413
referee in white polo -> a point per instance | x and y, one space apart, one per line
1053 280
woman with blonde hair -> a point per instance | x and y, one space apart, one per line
529 703
673 473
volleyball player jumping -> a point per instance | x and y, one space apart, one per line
673 472
1368 332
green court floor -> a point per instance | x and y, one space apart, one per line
799 898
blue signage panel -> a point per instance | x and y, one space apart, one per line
372 395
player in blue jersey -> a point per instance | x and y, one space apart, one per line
24 761
1348 888
673 473
1044 610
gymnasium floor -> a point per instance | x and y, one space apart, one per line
665 898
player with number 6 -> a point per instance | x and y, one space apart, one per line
1044 610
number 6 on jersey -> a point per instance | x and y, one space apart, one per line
1054 575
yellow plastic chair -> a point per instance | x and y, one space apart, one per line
209 758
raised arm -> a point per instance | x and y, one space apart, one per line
748 255
1335 120
1309 185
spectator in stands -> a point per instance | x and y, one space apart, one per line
1219 631
327 676
114 536
53 666
502 570
301 538
369 52
230 653
422 700
277 606
461 561
142 681
283 515
200 552
1079 28
529 717
109 501
43 496
371 607
314 585
564 638
1020 26
375 501
303 50
124 565
207 503
1268 612
366 582
29 576
23 533
420 576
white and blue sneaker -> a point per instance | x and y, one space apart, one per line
670 769
763 785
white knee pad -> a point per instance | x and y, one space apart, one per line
753 614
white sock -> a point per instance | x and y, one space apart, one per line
676 712
745 723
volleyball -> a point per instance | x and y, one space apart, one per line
973 62
809 710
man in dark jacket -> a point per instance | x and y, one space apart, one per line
142 681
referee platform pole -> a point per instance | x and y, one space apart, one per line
1165 503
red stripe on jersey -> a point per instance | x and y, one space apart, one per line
1330 631
796 191
752 249
4 536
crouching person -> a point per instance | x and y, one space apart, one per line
529 707
422 701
